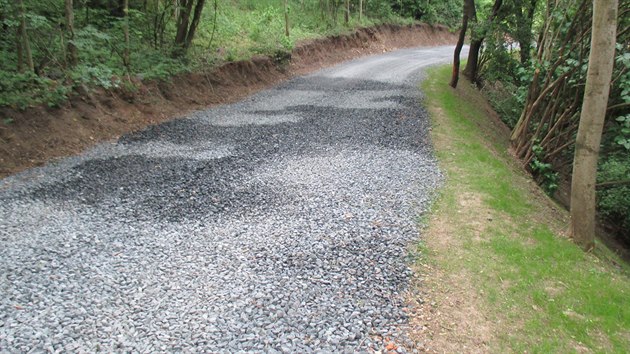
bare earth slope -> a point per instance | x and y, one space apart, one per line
40 134
280 222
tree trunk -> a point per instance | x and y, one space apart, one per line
286 18
472 65
19 50
182 22
126 60
24 42
469 6
601 60
195 23
346 16
72 55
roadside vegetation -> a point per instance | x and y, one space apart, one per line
49 49
500 245
531 60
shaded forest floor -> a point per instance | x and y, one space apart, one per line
37 135
496 271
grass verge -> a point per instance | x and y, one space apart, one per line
500 275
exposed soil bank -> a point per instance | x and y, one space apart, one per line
40 134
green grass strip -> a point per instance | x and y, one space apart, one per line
547 294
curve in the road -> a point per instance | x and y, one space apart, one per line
280 223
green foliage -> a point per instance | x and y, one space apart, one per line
508 76
504 101
543 171
614 201
243 28
621 132
447 12
98 75
22 90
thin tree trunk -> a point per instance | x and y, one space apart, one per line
126 60
599 74
19 50
286 18
182 22
346 15
72 55
469 6
26 46
195 23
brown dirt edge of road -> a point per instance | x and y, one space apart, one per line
41 134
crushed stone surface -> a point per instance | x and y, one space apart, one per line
281 223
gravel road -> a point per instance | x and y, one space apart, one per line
279 223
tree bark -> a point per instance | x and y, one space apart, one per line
182 22
599 74
19 50
126 60
472 66
24 42
72 55
195 23
469 8
346 15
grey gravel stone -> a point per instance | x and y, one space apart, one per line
277 224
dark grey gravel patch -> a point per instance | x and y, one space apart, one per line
277 224
139 188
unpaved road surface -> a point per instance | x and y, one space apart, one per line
280 223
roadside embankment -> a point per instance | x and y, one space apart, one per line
40 134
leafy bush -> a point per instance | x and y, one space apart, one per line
21 90
614 201
503 100
544 172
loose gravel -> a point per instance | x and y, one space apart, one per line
278 224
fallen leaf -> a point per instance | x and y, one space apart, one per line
391 346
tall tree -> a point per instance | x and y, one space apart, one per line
599 74
468 12
472 65
72 55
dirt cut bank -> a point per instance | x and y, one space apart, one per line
41 134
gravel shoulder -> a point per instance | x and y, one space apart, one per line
279 223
